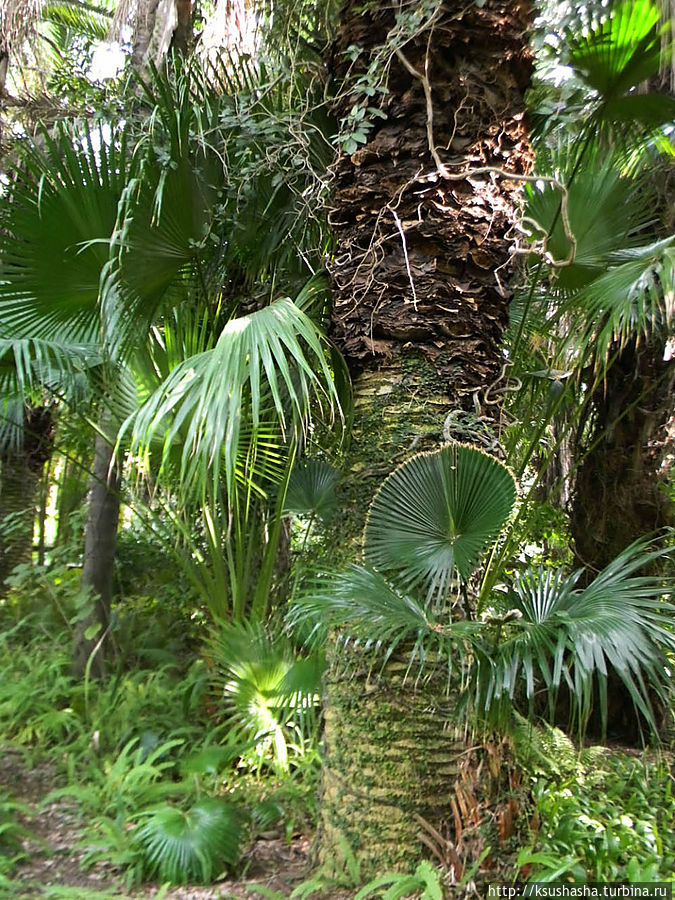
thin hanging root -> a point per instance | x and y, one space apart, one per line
446 175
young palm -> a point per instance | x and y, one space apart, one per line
131 236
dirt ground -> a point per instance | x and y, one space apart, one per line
54 857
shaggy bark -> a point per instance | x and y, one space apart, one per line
420 279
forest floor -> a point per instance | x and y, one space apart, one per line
55 853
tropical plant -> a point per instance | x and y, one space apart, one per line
536 632
132 255
269 694
426 882
192 845
603 820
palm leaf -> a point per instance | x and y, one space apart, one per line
367 609
264 685
311 489
617 55
633 297
606 213
62 212
196 845
573 636
275 352
437 513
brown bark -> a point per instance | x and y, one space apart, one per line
423 261
619 489
99 557
420 278
181 41
20 474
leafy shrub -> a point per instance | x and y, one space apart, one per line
610 820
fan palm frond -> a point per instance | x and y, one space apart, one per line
560 634
61 213
436 514
266 687
311 489
196 845
621 51
632 298
275 352
605 214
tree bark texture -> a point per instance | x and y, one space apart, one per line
420 279
100 537
389 755
21 468
620 485
422 260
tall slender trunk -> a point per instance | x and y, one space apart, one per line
100 537
420 278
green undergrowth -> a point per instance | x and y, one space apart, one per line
600 814
172 782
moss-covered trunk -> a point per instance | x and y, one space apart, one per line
390 755
420 278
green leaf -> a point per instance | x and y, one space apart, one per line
274 356
437 513
311 489
191 846
620 52
91 632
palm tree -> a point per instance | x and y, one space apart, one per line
136 235
438 653
431 103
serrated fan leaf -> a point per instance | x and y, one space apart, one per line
311 489
437 513
262 681
632 297
191 846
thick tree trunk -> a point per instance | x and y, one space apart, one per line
389 755
100 537
419 276
619 488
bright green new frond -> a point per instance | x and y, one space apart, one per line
621 51
273 356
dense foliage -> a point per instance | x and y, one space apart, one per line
175 463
